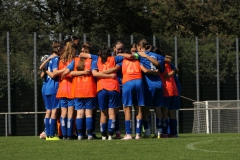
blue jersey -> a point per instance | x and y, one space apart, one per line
52 83
153 81
119 72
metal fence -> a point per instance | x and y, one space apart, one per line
209 70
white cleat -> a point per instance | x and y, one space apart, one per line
90 138
80 137
127 137
110 138
104 138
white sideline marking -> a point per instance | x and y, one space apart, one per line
191 146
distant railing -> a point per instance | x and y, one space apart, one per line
153 117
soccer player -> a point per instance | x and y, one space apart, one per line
84 91
118 48
152 86
64 91
169 99
108 91
50 90
132 92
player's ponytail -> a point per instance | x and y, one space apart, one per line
105 52
87 48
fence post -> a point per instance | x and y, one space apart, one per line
60 37
197 70
131 38
197 86
176 64
109 40
154 40
35 82
218 84
237 76
84 37
9 83
6 126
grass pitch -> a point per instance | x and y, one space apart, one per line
186 146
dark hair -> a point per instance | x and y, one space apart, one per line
71 39
117 42
88 47
81 63
127 51
56 47
104 53
151 48
158 51
143 43
134 45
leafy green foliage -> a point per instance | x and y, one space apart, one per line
97 18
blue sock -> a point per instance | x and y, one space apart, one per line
94 122
63 121
170 127
145 124
128 127
103 129
158 123
47 126
117 123
89 124
138 126
79 124
173 126
84 126
52 127
165 126
111 126
69 127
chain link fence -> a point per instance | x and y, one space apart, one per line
208 71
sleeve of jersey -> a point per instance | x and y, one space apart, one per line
162 65
119 59
94 65
55 63
172 66
71 66
94 57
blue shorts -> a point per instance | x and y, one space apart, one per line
65 102
52 102
84 103
108 99
153 97
133 93
171 103
45 101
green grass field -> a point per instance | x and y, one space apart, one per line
186 146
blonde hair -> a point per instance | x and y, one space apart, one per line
69 52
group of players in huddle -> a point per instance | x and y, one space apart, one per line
77 83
